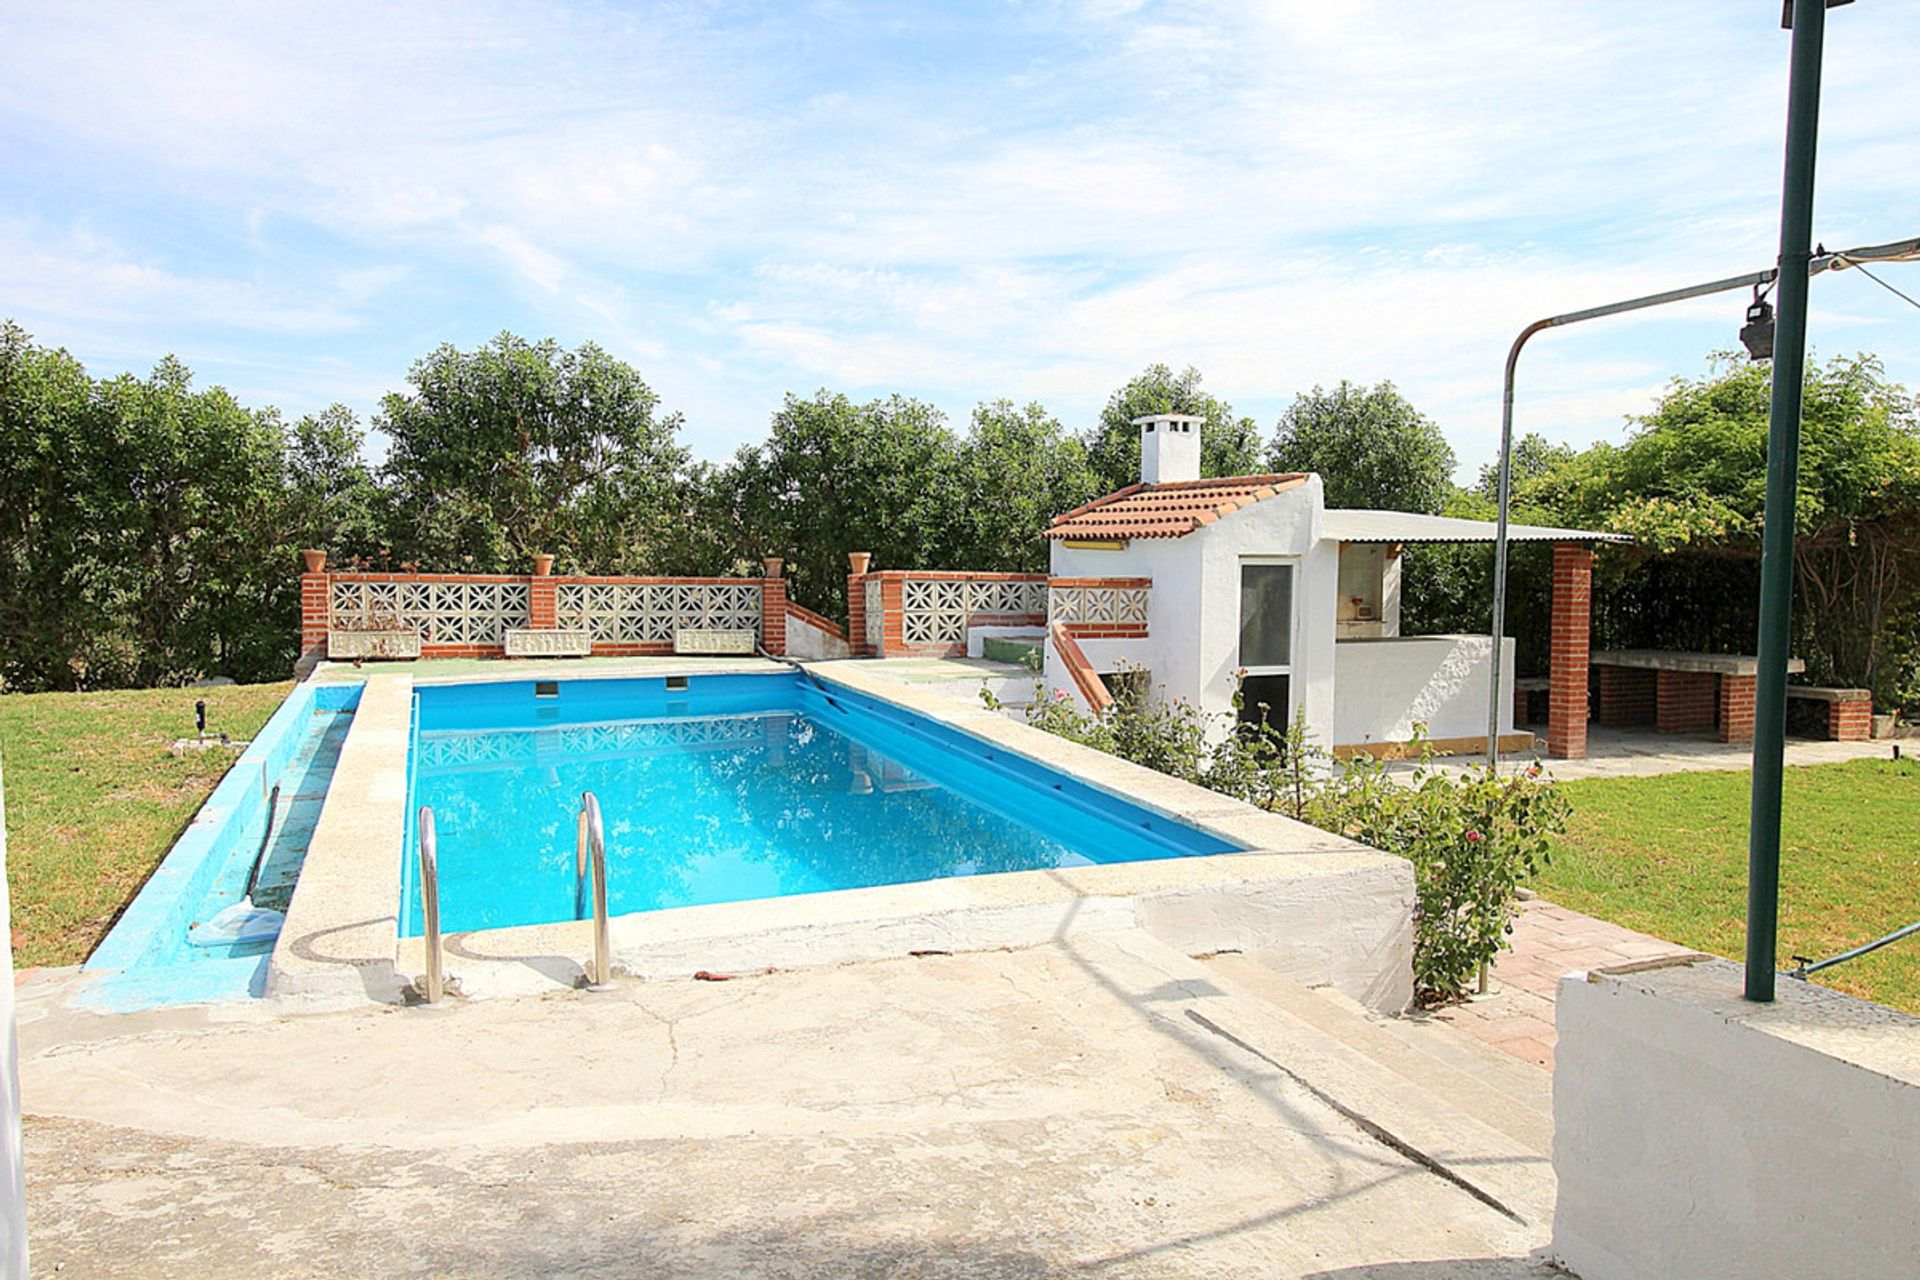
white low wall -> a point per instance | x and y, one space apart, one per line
1699 1136
810 643
1382 688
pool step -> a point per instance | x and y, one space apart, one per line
1496 1088
1402 1100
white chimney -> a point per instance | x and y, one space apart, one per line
1169 447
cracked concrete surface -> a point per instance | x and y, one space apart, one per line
1046 1112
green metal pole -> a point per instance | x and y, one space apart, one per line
1783 469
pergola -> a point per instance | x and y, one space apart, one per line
1572 614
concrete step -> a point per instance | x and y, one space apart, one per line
1495 1088
1341 1058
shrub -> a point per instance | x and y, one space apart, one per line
1472 836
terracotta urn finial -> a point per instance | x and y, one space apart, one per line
316 559
857 562
542 565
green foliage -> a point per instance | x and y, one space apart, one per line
1018 468
834 476
1472 837
521 447
1370 447
143 539
1692 480
1229 445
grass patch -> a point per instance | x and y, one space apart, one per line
95 800
1668 855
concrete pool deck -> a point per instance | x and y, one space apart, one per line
1318 907
1100 1106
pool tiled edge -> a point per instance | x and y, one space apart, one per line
1319 907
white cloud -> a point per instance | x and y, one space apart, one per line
1034 202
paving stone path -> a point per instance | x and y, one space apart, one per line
1549 942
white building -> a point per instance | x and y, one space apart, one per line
1253 578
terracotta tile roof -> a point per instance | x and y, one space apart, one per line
1168 510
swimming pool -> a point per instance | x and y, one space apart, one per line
730 788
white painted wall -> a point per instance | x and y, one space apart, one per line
809 643
1193 623
13 1189
1699 1136
1383 687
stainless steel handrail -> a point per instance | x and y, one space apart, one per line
430 903
591 858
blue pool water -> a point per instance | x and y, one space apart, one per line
146 960
737 787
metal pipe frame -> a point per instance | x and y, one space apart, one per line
430 904
1893 251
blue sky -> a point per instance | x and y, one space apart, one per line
954 201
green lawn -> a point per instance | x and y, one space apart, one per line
1668 856
94 801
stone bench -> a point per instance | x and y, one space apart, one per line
1849 711
392 643
1525 690
715 642
551 642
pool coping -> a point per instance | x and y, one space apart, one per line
1322 908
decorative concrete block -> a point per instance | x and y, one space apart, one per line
373 644
700 640
554 643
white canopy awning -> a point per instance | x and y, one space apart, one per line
1411 526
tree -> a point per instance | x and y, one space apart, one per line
1229 445
141 539
333 500
1370 447
834 476
1017 469
518 448
1534 456
1692 480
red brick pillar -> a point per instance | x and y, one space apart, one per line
773 607
1850 719
857 562
541 596
893 617
1736 708
316 604
1571 645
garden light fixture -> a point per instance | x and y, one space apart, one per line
1757 334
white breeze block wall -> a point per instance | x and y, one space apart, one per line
1381 687
1698 1136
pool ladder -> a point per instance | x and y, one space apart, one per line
590 862
590 856
435 984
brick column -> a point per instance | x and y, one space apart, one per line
857 562
541 596
316 604
893 617
1736 708
1685 701
1850 719
1521 719
1571 646
773 607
